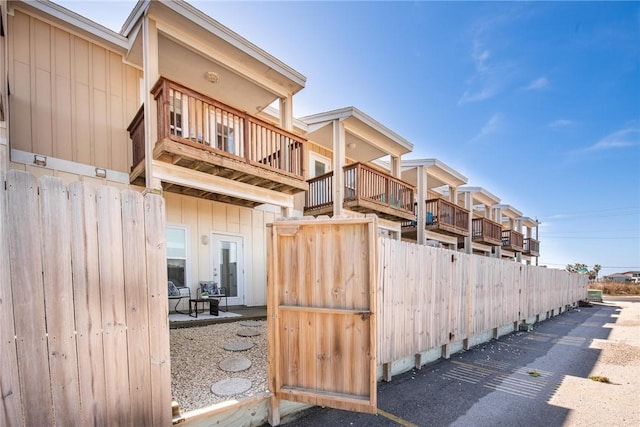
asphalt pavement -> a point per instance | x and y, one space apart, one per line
507 382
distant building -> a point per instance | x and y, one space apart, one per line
627 276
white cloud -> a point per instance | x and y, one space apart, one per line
490 75
623 138
561 124
538 84
494 125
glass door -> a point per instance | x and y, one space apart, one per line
228 266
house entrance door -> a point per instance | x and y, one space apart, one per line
228 266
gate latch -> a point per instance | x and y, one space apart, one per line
364 315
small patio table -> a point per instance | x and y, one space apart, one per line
213 306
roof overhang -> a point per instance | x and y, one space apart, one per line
66 19
480 195
438 173
528 222
509 211
220 43
366 138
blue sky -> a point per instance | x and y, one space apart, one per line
539 103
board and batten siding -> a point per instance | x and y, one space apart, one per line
203 217
70 98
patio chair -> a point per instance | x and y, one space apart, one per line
178 293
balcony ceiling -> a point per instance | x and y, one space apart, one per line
438 173
191 43
479 196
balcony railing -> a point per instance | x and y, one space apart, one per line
442 217
366 190
531 247
198 132
484 230
512 240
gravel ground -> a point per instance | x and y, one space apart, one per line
196 353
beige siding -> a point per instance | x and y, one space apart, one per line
70 98
203 217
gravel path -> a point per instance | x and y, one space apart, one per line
196 353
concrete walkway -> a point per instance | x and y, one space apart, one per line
537 378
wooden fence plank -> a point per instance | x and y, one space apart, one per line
110 257
25 255
137 308
11 412
88 309
58 292
158 309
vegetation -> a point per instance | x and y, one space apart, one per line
616 288
534 373
584 269
600 379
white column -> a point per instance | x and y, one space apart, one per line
396 170
498 219
339 137
421 207
286 113
151 74
468 204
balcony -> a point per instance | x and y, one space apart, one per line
366 190
512 240
485 231
531 247
442 217
199 133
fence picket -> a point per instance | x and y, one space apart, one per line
56 247
24 234
426 294
11 413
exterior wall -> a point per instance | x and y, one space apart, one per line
70 98
203 217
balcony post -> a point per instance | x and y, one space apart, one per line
151 75
468 241
339 137
498 215
421 205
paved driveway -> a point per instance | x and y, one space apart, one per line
537 378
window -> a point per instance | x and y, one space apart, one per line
177 255
318 164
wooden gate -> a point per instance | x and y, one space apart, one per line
321 313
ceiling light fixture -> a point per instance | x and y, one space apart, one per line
211 77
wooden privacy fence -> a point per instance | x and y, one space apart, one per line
430 297
83 305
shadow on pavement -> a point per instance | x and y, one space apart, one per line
505 382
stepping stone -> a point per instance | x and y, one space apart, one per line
238 346
248 333
251 323
231 386
235 364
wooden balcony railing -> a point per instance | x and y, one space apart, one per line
195 120
365 190
531 247
484 230
512 240
447 217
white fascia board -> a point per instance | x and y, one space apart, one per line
65 15
182 176
236 40
139 9
274 113
486 195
